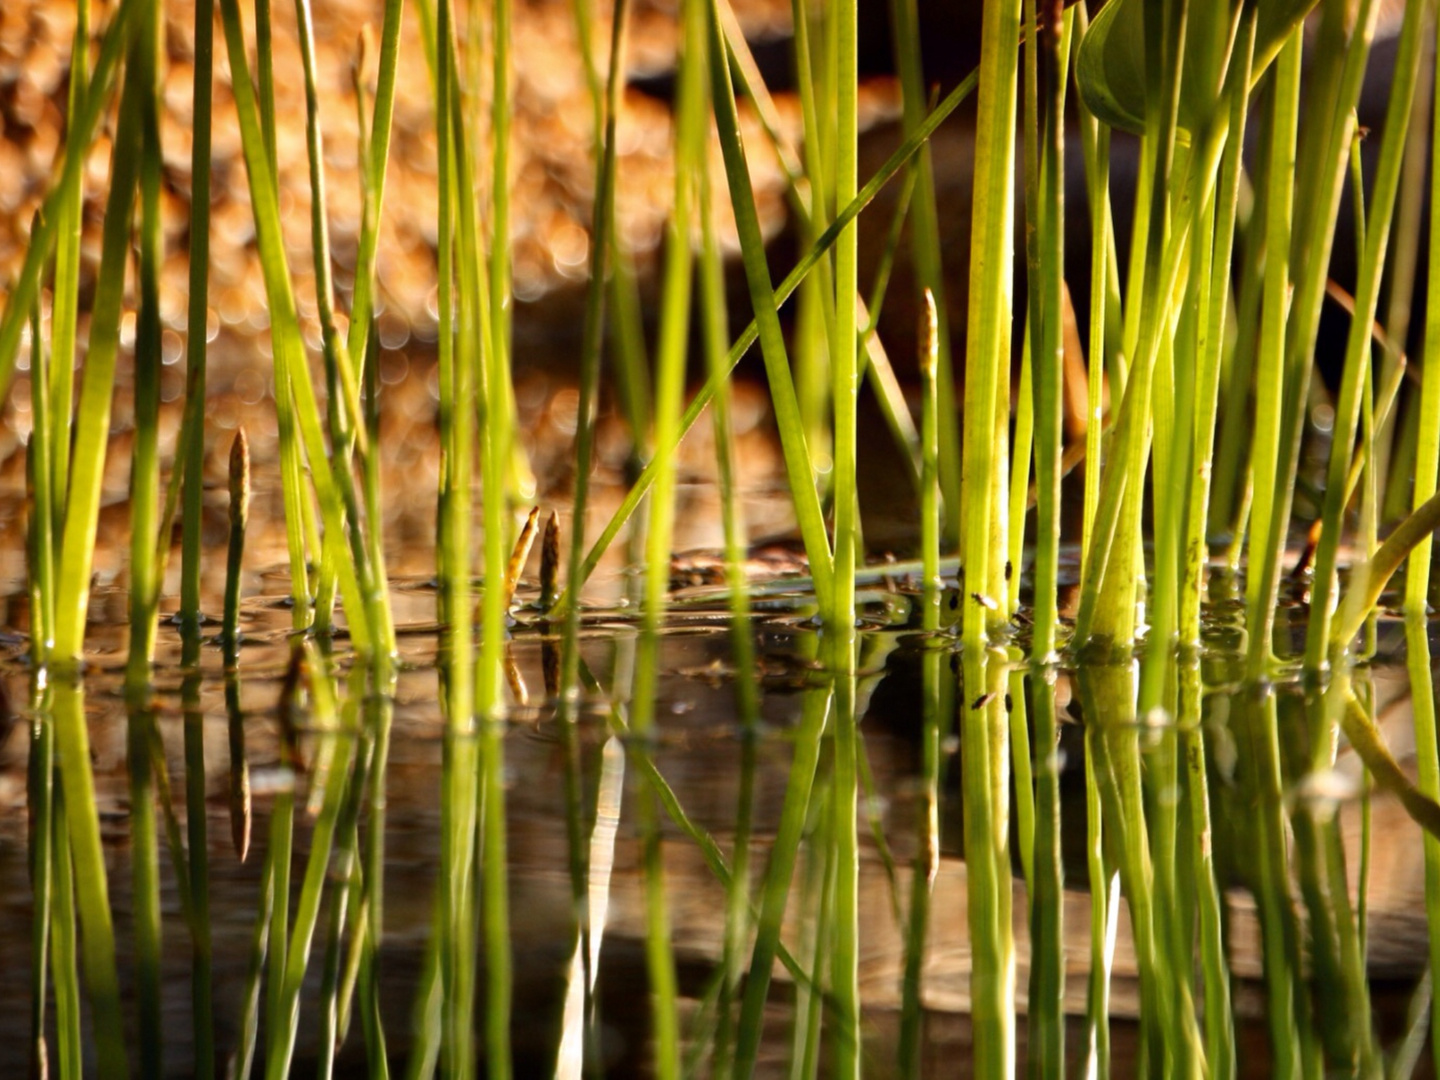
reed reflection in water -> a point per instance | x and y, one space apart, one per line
245 871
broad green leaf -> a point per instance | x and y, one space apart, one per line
1110 69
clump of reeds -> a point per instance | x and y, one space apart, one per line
1205 329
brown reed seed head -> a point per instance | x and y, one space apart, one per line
239 480
929 338
550 561
521 553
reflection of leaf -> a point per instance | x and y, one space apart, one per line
1110 69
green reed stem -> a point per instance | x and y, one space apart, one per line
197 313
347 873
1108 613
583 568
659 954
1427 450
930 486
782 387
1230 484
779 874
279 855
93 421
1320 169
65 306
334 489
1021 460
145 459
985 756
817 302
1045 253
497 461
145 883
299 517
1404 258
1270 357
676 291
927 857
518 478
341 382
1046 883
1427 762
814 310
63 951
372 917
1167 1016
345 418
603 222
80 133
337 782
265 76
198 860
242 1058
925 249
377 140
40 798
40 534
457 394
845 390
988 336
817 896
1215 264
627 335
1368 580
455 926
747 692
1220 1054
844 954
1104 920
1358 344
72 748
1097 147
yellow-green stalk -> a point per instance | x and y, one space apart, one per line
987 362
1358 345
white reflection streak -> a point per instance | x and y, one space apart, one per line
570 1062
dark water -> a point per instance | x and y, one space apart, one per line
729 773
